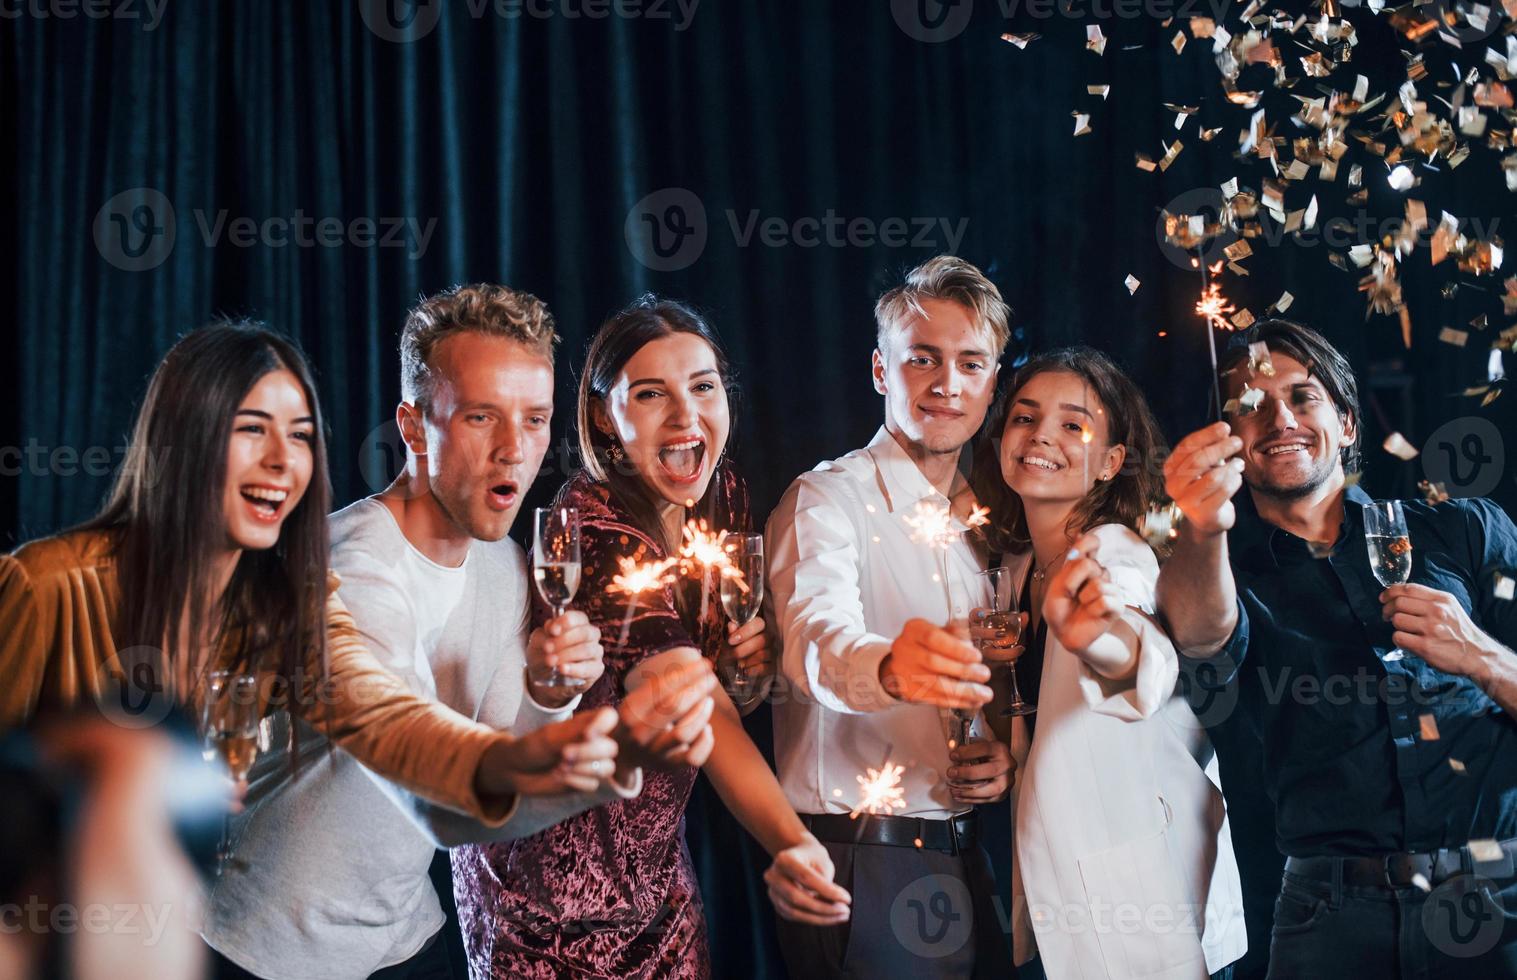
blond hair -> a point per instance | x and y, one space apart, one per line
497 311
945 277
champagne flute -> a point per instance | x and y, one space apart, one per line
996 628
1390 548
742 598
555 569
232 727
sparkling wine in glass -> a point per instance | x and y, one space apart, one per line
555 569
231 729
1390 548
742 598
996 629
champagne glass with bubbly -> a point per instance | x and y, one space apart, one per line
555 569
742 597
232 729
996 628
1390 548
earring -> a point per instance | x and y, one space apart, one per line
614 452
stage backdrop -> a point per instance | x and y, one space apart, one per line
322 165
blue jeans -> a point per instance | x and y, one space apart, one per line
1465 927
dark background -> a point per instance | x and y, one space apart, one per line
531 141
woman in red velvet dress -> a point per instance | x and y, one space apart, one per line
612 892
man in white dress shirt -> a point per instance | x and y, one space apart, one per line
331 880
863 603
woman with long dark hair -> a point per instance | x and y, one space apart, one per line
212 555
1117 808
612 892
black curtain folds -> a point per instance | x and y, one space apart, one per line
321 165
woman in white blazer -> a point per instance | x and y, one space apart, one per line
1123 863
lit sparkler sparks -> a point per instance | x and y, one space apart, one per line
1215 307
634 579
880 791
706 549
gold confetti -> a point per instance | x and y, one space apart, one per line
1020 40
1486 850
1132 283
1397 446
1259 361
1102 90
1242 320
1170 152
1094 39
1178 41
1429 727
1160 524
1451 336
1456 765
1433 493
1082 123
1203 27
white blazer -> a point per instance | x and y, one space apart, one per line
1123 861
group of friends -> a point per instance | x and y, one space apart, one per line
430 698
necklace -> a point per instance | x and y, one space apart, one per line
1039 571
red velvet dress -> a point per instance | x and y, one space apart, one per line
611 892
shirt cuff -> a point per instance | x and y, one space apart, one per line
865 691
1151 683
551 714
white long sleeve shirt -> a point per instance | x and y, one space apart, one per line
845 574
335 883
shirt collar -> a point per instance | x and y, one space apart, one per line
1254 536
900 478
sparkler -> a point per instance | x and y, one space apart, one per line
880 791
707 549
636 578
935 526
1213 308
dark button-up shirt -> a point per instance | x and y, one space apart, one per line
1361 755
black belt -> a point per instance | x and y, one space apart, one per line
1402 870
950 836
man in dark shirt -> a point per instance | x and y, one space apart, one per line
1385 714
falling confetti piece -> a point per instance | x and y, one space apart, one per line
1102 90
1506 588
1420 880
1160 524
1170 152
1020 40
1259 361
1429 727
1397 446
1283 303
1433 493
1402 178
1082 123
1457 766
1178 41
1132 283
1486 850
1094 39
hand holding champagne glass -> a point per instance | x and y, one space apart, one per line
742 598
231 728
556 570
1390 548
996 629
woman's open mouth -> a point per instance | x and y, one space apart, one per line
264 503
683 461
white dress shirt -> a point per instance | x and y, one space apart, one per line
845 574
1124 865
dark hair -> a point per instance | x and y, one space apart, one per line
165 516
1121 500
1322 361
620 338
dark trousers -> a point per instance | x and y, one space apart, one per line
916 913
1465 928
430 963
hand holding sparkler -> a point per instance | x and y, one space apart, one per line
801 886
929 665
1202 475
665 717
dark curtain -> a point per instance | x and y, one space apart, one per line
524 145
